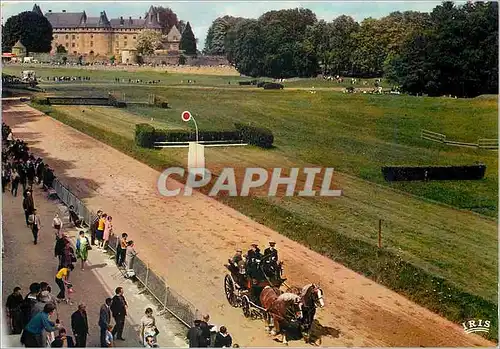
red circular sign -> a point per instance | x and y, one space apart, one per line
186 116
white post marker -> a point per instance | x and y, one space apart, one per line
196 153
186 116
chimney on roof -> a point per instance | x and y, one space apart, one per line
140 17
122 21
64 11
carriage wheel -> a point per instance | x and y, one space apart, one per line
245 305
230 291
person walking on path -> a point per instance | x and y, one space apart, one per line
15 182
148 326
34 221
32 336
57 225
80 326
29 302
62 281
130 254
28 205
14 312
108 230
94 226
121 249
119 311
223 339
194 335
206 331
63 340
99 233
68 255
105 321
82 248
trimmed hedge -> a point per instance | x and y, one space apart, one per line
273 86
259 136
145 135
188 136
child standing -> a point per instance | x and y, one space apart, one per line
109 336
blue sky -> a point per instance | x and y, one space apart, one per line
201 13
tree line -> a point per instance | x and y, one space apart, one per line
451 50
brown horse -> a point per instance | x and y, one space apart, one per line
281 309
311 298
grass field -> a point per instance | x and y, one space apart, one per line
424 243
167 78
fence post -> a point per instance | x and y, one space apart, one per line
146 279
379 233
165 301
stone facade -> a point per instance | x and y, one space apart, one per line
101 37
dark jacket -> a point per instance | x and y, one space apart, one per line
104 316
58 343
194 336
271 254
118 306
205 334
223 341
79 323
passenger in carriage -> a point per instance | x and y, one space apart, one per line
253 259
237 258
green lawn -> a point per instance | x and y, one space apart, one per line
424 242
171 79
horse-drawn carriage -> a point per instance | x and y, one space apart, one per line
260 296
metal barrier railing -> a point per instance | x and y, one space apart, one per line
171 301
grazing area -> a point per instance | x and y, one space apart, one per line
324 129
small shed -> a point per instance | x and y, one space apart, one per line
19 49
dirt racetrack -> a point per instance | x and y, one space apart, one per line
188 239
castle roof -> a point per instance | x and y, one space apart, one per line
64 19
37 9
174 34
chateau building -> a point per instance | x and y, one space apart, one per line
100 36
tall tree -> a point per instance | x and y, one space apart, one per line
217 33
147 41
457 55
246 50
167 18
343 44
188 41
34 31
370 52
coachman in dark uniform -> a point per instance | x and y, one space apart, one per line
271 257
253 258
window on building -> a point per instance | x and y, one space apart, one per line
125 44
74 52
133 37
73 37
73 44
67 45
55 36
91 43
91 36
125 37
67 36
